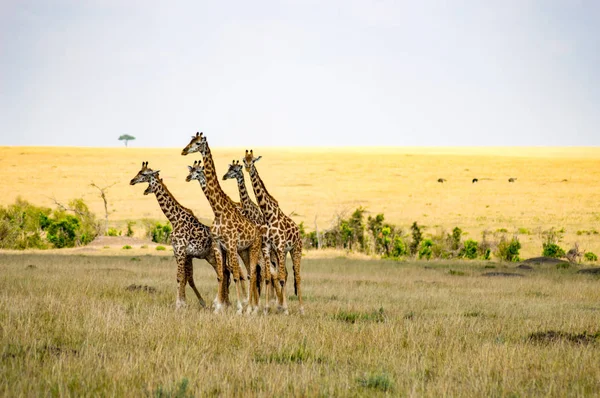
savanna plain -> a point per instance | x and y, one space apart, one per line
100 320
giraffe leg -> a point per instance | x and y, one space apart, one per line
249 295
282 305
296 258
255 270
219 259
284 302
266 272
189 272
233 264
181 280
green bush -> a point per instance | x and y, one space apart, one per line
161 248
425 249
469 249
552 250
417 237
508 250
159 233
589 256
455 238
126 247
399 248
113 232
23 225
62 232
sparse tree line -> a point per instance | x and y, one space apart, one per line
374 236
26 226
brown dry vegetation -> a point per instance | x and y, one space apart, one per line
556 187
70 326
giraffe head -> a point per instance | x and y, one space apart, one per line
249 160
235 170
146 174
197 173
197 144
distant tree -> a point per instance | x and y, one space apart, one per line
126 138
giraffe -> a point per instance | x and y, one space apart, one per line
230 229
190 238
283 235
254 214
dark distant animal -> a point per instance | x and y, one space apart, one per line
475 180
441 180
512 179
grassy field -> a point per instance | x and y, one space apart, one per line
70 327
556 187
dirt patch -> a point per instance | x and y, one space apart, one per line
544 261
141 288
592 271
552 336
505 274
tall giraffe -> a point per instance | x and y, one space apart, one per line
230 229
283 235
254 214
190 238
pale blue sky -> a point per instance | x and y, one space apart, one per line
300 72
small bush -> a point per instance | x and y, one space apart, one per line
508 250
455 238
552 250
524 231
399 248
589 256
130 225
143 246
425 249
113 232
159 233
161 248
126 247
417 237
469 250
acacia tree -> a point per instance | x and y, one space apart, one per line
126 138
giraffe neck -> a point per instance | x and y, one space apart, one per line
266 202
167 202
219 201
244 197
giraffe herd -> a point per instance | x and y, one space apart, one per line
258 235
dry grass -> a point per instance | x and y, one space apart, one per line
556 187
70 327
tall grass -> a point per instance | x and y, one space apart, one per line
69 325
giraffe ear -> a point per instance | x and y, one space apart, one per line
190 168
155 172
257 159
